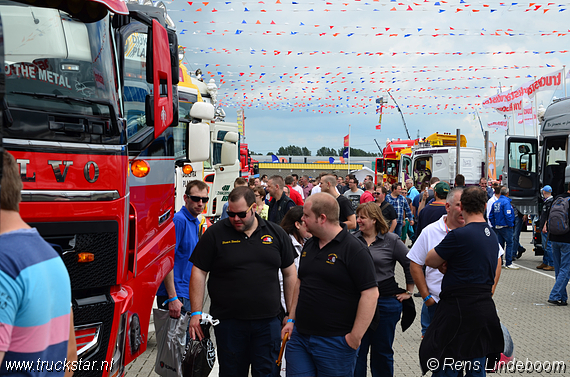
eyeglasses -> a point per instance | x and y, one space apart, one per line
377 193
241 215
196 199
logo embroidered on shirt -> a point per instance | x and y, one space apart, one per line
231 241
267 239
331 258
487 232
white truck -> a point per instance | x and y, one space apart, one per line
437 158
222 166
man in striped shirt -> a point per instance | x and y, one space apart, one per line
36 321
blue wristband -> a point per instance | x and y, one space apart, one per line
427 298
170 300
195 313
290 320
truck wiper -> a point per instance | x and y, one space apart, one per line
69 99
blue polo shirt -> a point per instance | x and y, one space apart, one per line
186 227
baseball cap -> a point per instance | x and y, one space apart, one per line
441 188
546 188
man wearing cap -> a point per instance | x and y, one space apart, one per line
433 211
547 261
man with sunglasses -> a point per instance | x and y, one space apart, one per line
242 255
173 291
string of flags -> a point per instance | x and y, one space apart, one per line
377 6
264 51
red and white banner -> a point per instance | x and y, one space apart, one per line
501 124
551 81
529 116
502 101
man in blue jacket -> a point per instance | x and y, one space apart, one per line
502 218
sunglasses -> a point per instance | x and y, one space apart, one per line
241 215
377 193
196 199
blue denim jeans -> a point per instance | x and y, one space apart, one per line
427 315
473 368
380 341
241 343
547 247
505 236
398 230
561 257
323 356
517 234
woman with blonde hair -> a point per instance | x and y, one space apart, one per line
262 208
386 249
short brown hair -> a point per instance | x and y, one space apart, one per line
373 212
369 185
11 184
195 183
325 204
278 180
260 190
240 181
474 200
242 192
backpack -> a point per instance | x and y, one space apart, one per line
558 217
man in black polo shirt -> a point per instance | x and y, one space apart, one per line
346 214
335 298
243 255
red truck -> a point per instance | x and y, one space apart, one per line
90 99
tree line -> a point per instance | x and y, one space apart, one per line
294 150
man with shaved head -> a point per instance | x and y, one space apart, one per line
335 297
346 215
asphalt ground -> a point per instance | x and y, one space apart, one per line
540 331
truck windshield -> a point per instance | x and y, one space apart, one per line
56 63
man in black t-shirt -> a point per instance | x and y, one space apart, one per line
387 209
465 326
243 254
346 215
335 298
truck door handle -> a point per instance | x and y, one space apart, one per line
165 216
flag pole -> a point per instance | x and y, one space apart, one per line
348 167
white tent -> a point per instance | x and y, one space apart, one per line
362 173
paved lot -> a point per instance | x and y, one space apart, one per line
540 331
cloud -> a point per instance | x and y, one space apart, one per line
306 70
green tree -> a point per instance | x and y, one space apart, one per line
355 152
306 151
327 152
291 150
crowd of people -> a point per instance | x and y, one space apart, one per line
321 269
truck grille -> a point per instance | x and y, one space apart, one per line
94 318
100 238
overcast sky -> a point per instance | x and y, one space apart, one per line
304 70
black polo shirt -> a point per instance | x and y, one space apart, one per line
345 207
244 281
332 279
